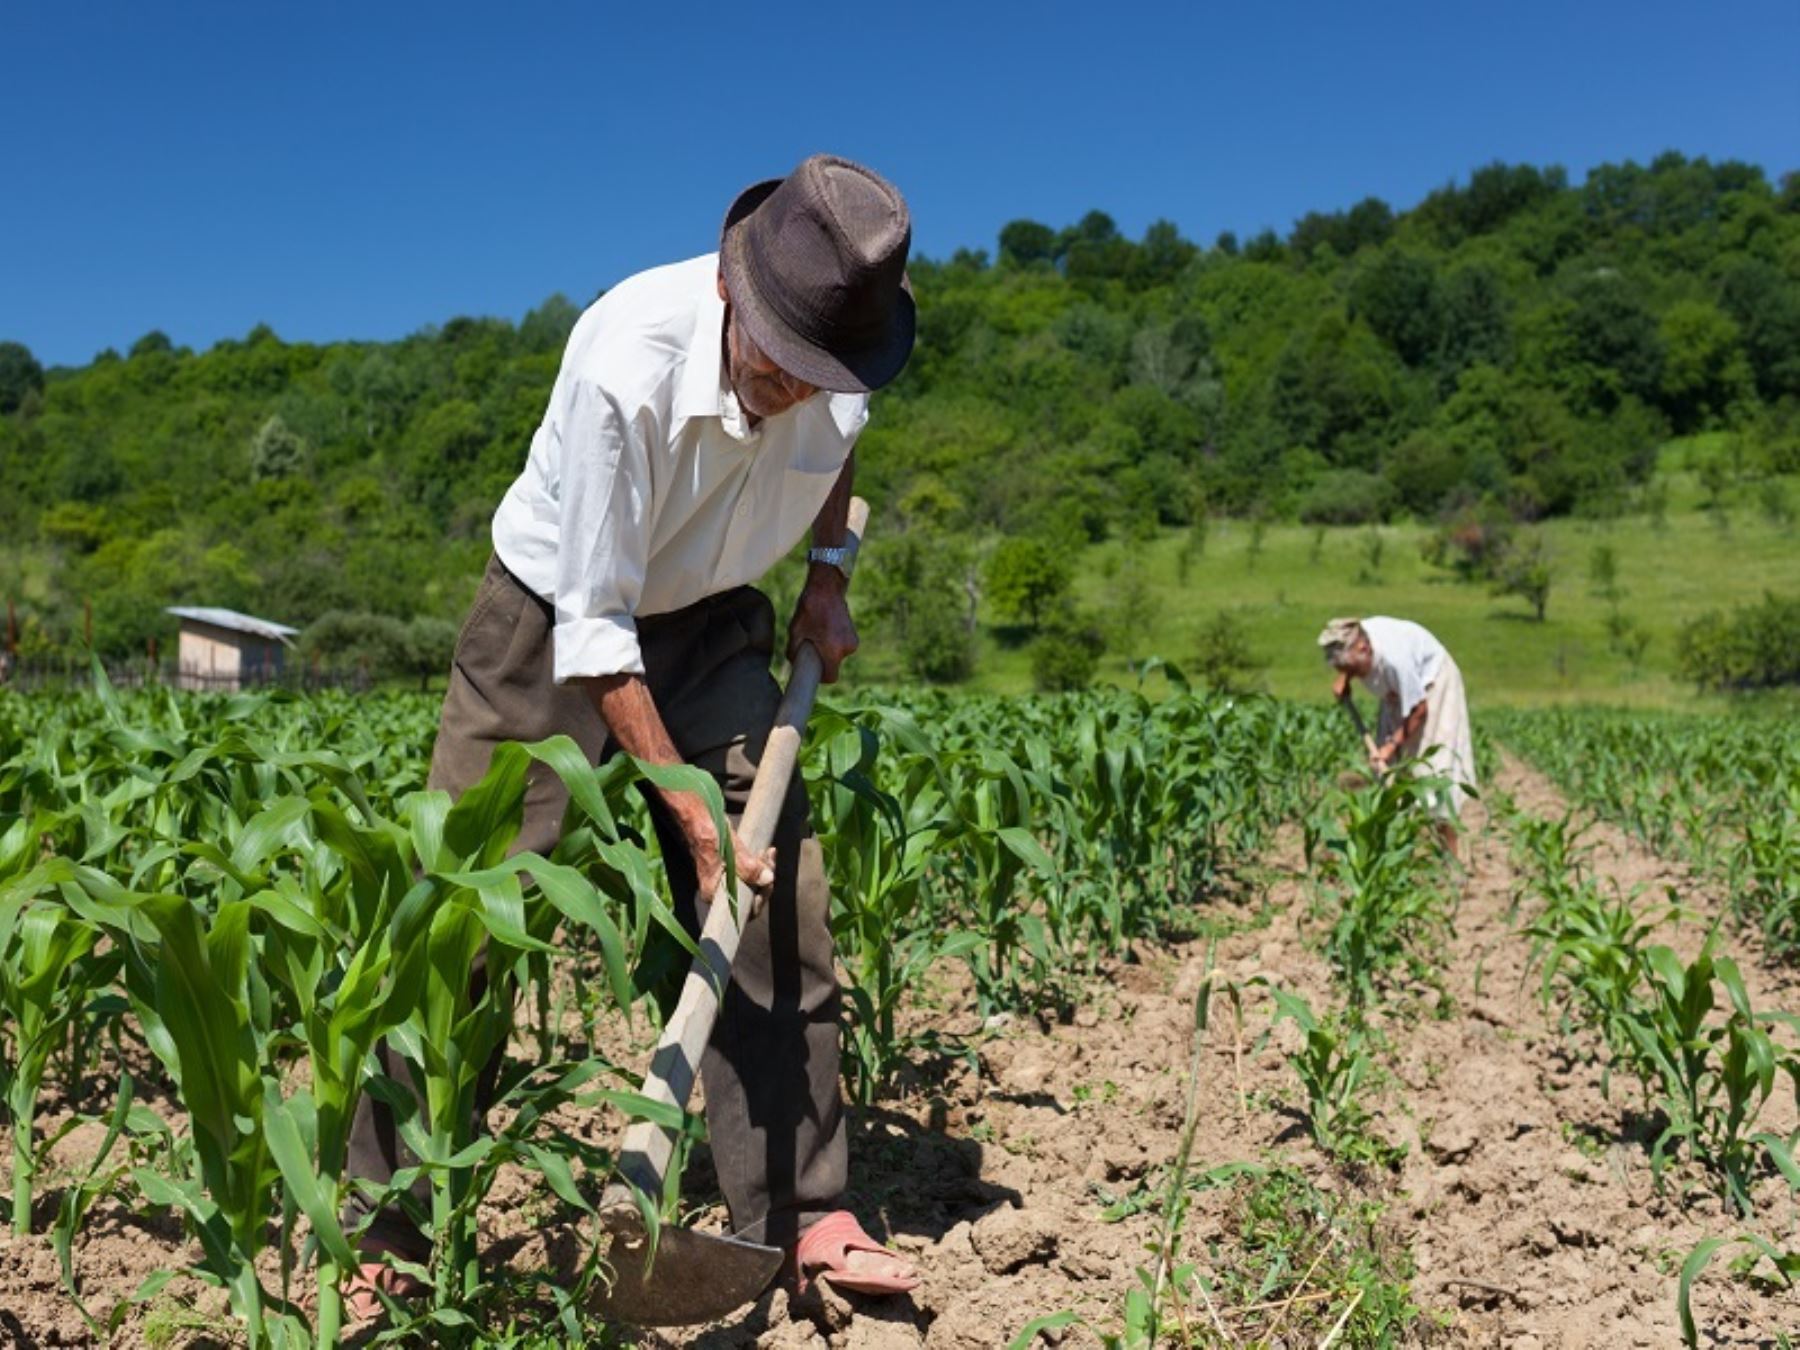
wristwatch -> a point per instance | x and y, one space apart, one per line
839 556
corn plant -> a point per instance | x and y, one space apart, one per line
1390 911
1784 1272
1334 1066
1590 949
48 971
1764 870
1716 792
881 846
1710 1077
997 852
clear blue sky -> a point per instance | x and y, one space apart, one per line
362 170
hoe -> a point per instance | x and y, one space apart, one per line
684 1276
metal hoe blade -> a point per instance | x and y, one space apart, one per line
696 1277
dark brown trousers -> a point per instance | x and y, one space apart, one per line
773 1108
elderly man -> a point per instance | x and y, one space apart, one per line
703 418
1424 716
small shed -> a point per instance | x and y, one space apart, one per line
222 649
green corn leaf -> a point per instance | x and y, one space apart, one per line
270 828
485 820
580 903
287 1145
1029 1333
640 1107
555 1170
563 757
1782 1155
1028 850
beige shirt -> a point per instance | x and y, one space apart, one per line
646 489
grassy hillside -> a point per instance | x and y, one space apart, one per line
1694 561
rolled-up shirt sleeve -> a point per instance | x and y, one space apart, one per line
604 528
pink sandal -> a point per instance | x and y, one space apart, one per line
362 1305
822 1251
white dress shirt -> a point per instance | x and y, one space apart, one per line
646 489
1406 660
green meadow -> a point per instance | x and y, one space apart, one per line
1285 585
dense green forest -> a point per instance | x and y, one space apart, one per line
1509 349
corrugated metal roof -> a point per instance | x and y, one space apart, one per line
230 618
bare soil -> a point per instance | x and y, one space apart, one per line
1524 1193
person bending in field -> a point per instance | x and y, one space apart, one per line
1424 716
704 416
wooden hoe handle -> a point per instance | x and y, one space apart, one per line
647 1147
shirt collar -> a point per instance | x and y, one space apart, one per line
705 392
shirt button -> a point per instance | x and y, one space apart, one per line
743 508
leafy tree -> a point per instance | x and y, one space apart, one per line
427 644
1025 576
1705 373
1132 609
20 375
1025 242
1066 656
1766 306
1524 570
1603 572
1753 647
1225 659
1474 318
1346 497
152 343
1094 250
917 585
1161 257
1615 340
547 328
1397 295
374 644
277 452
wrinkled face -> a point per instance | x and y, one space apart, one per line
762 387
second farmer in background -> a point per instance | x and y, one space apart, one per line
1424 715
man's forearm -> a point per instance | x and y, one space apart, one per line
630 714
831 527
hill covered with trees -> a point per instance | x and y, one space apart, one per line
1510 348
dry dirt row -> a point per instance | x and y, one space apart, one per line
1524 1194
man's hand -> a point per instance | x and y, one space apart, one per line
1341 685
823 618
630 714
1381 757
755 870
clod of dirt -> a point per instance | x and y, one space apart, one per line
875 1333
1009 1239
1453 1140
964 1326
1030 1069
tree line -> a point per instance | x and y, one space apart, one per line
1512 347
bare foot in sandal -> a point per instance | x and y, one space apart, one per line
836 1249
362 1304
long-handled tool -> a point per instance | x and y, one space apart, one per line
1362 729
698 1277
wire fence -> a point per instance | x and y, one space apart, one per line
69 673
